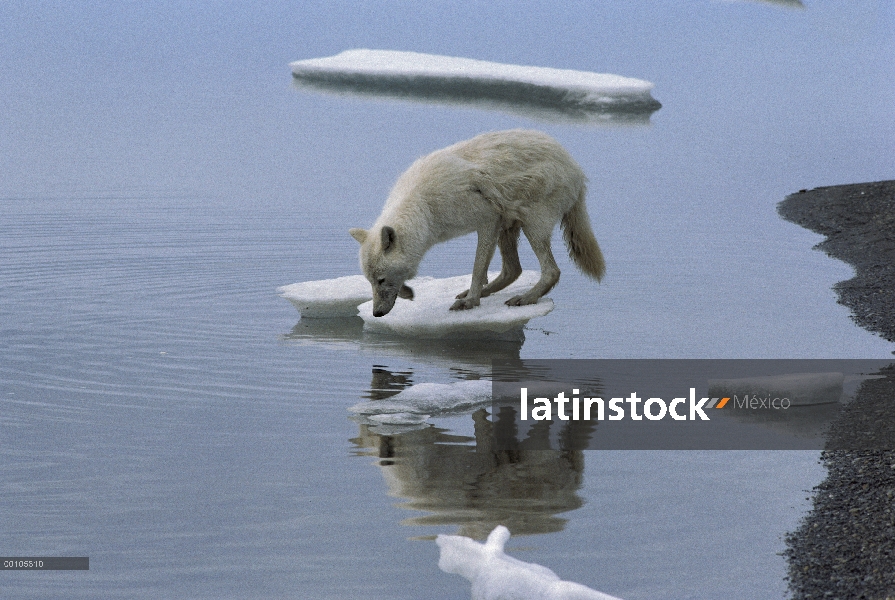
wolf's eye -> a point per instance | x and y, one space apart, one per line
381 281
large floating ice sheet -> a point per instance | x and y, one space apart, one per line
423 400
600 87
428 315
578 94
496 576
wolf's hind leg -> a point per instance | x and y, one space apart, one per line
483 254
539 238
508 242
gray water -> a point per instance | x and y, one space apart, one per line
167 415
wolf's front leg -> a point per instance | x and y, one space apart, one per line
484 252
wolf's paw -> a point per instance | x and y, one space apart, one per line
465 304
521 300
485 293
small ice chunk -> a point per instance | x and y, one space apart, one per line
328 298
800 388
427 399
496 576
428 315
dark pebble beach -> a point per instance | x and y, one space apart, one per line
845 547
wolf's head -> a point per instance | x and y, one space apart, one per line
385 267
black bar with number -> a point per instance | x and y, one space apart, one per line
45 563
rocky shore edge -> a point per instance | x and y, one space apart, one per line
845 546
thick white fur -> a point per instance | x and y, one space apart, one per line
495 184
496 576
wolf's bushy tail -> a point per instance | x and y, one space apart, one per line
580 241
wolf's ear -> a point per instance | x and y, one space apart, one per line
406 292
359 234
388 238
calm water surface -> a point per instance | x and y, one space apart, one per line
167 415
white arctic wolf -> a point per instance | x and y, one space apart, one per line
495 184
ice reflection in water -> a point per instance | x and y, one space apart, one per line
456 355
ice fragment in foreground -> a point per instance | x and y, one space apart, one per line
496 576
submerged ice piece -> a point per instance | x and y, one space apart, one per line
496 576
799 388
423 400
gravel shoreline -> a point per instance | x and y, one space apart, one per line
859 222
845 547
